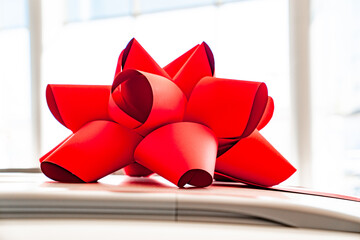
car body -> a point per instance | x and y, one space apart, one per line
33 206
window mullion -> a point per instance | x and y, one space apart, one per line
35 30
299 30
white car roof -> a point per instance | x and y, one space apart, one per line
121 197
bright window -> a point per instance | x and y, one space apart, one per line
15 106
336 95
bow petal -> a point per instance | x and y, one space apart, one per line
253 160
173 68
137 170
145 101
135 56
268 113
94 151
75 105
231 108
54 149
200 64
183 153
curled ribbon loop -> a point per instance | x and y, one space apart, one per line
178 121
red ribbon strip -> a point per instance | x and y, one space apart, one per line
178 121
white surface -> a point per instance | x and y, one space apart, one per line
120 229
25 199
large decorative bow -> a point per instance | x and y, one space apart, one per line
178 121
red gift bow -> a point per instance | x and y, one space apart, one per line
178 121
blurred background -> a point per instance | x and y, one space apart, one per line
306 51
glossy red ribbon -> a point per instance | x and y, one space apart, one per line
178 121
